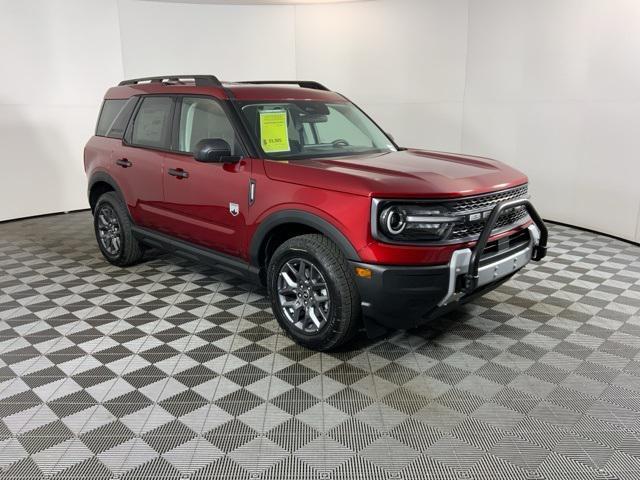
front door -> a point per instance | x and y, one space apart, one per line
206 203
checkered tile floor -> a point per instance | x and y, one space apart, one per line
172 370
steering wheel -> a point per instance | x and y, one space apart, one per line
341 142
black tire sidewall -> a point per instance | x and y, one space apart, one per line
326 336
130 250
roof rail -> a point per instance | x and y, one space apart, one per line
301 83
200 80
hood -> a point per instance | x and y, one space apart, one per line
407 173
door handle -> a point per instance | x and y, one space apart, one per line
124 163
178 173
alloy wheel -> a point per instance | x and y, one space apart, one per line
303 295
109 230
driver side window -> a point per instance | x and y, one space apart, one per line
204 118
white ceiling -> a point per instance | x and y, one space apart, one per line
254 2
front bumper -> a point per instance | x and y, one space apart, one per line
403 297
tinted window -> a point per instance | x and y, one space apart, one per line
153 123
119 125
110 109
204 118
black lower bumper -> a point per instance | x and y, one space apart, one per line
397 297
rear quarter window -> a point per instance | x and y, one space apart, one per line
114 117
108 113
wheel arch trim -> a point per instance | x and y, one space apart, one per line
103 177
300 217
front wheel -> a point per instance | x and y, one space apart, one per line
313 292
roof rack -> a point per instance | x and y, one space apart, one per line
200 80
301 83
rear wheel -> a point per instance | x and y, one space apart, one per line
113 231
313 292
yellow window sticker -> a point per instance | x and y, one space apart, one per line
274 134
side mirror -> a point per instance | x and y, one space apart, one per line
214 150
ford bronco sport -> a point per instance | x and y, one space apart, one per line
294 187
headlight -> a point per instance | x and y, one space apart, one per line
393 220
400 222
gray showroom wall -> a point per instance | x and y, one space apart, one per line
56 61
552 87
403 60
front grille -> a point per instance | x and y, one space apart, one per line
510 217
487 203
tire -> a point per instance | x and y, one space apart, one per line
339 316
123 249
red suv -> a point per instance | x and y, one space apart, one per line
294 187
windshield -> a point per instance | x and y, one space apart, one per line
310 129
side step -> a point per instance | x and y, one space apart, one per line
198 254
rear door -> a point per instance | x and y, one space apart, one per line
208 202
140 160
112 122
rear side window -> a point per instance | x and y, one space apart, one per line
114 117
152 125
109 112
119 125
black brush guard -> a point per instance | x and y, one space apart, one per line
539 251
